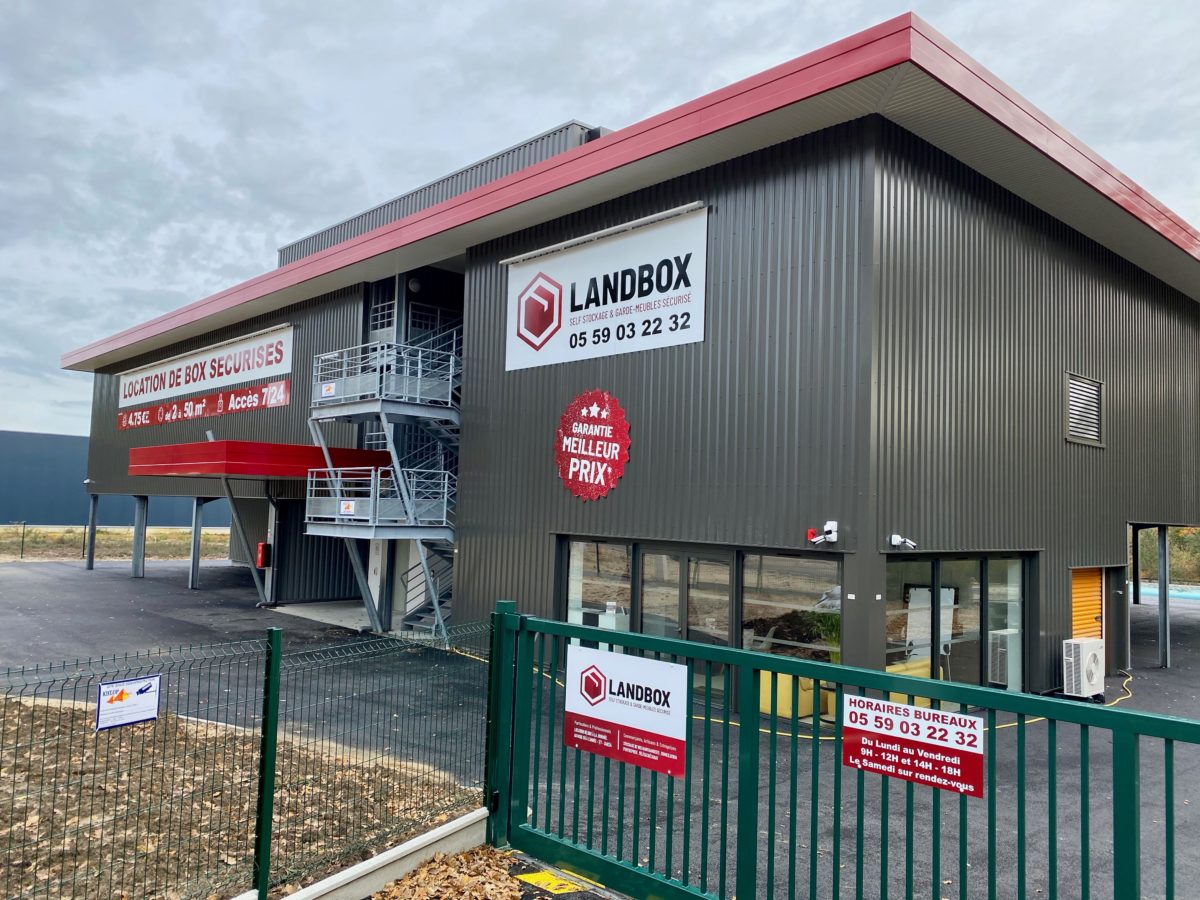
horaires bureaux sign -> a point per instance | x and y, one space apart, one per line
638 289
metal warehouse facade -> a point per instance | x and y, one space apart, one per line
900 360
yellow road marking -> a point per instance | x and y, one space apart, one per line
550 882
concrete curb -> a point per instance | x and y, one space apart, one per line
370 875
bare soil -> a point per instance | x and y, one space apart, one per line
167 809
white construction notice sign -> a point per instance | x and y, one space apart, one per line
127 702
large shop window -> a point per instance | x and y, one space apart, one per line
792 606
972 631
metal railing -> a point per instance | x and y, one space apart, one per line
1078 800
367 496
426 374
261 768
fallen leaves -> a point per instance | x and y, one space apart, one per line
479 874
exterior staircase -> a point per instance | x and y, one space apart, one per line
414 498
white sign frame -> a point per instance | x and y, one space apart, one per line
268 353
139 705
640 289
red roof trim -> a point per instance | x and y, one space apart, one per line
905 38
245 459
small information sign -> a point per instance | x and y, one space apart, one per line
127 702
627 708
937 748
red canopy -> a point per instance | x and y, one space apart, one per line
245 459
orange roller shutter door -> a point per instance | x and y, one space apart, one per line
1087 598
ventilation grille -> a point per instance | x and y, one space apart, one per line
1084 408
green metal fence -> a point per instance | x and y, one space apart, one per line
1079 800
264 768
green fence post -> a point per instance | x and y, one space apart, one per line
1127 828
746 878
499 726
266 764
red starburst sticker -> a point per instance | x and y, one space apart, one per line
591 446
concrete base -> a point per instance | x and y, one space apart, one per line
342 613
369 876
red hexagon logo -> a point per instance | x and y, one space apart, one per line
539 311
591 685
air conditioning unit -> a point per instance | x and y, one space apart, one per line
1083 667
1004 654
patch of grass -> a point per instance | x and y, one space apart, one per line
49 542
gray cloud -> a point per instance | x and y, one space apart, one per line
153 153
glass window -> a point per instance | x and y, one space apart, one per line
958 646
1005 600
909 619
598 586
793 606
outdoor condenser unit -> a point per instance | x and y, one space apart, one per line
1003 648
1083 667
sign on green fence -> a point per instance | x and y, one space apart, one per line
627 708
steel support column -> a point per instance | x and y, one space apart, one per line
1164 600
197 529
1135 561
90 546
141 506
364 586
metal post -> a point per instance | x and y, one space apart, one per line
22 540
1135 553
501 690
197 529
1164 600
141 507
90 543
266 764
747 808
1126 782
364 586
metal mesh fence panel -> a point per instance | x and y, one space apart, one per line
161 808
379 739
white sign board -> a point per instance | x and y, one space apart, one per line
127 702
265 354
637 290
627 708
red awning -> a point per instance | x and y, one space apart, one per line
245 459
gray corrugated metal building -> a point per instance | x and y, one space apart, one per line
897 415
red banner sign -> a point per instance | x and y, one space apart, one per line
591 445
932 747
222 403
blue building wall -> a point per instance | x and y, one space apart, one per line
41 482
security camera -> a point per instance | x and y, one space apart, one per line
899 540
828 534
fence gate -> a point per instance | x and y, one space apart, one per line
1077 799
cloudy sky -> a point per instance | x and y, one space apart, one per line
152 153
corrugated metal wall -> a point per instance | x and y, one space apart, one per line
305 567
985 303
744 439
324 323
551 143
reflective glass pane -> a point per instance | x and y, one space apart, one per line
708 589
792 606
909 619
660 594
958 646
1005 601
598 585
